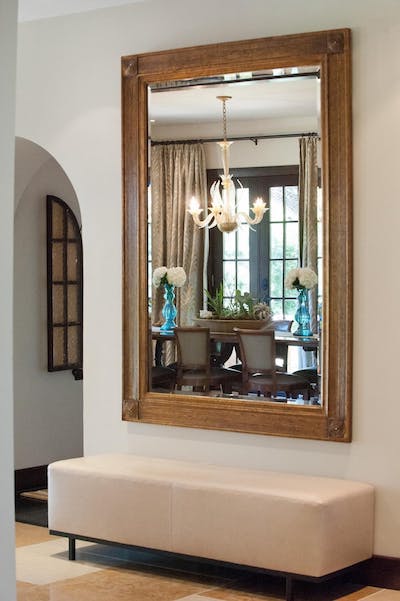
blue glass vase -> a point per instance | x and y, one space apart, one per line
169 310
302 315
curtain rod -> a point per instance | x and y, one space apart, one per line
238 138
219 80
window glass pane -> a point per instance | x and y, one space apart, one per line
73 351
320 277
58 346
276 278
72 293
243 276
71 225
288 266
242 198
291 203
57 256
290 308
319 204
242 243
276 241
149 283
319 236
276 204
229 272
72 261
58 220
149 204
292 240
58 303
149 242
276 308
229 246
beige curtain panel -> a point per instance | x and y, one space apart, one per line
178 172
308 184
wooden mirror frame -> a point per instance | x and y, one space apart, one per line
331 421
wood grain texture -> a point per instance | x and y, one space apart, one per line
330 50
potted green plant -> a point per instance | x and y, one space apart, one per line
241 312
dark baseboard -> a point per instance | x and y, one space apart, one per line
379 571
31 478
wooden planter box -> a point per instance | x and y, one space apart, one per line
227 325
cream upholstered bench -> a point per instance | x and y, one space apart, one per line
299 526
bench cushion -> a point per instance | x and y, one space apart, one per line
287 522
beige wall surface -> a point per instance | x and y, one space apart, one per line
8 43
68 101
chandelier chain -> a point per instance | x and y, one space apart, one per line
224 117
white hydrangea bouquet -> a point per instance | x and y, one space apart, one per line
174 276
301 278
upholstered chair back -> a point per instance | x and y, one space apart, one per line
193 347
257 350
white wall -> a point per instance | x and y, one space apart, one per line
69 102
48 412
8 43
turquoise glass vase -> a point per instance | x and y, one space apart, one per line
169 310
302 315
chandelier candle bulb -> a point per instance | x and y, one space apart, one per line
194 207
259 206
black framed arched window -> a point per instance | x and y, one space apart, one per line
64 289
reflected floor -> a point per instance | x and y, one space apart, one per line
104 573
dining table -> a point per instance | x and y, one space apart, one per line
308 343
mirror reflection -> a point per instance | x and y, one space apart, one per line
235 230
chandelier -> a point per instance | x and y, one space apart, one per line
223 211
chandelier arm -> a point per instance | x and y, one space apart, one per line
251 220
203 222
215 193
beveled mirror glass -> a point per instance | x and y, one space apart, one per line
281 89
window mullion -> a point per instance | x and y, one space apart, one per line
65 285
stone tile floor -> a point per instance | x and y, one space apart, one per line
104 573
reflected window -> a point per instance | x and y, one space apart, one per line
258 261
64 289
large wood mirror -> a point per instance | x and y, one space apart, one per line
282 89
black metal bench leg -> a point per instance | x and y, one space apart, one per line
71 548
289 588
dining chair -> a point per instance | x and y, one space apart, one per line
259 374
281 349
162 377
194 362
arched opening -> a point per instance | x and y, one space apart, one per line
48 407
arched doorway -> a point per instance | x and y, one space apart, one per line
48 407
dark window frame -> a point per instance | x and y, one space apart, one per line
69 223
